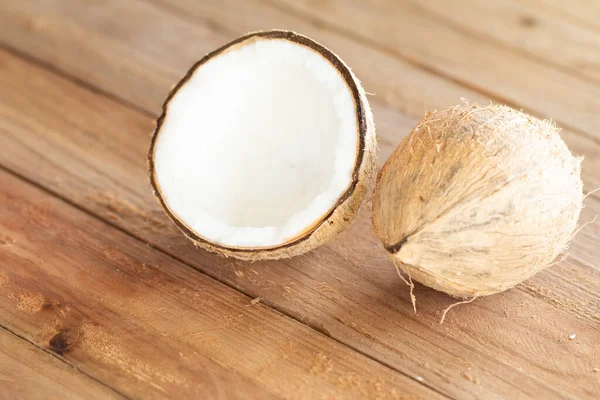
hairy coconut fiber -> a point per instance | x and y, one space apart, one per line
477 199
344 206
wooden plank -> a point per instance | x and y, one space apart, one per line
152 327
27 372
530 27
410 32
480 352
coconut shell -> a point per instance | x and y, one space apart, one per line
477 199
348 204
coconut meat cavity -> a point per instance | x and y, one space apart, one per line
258 145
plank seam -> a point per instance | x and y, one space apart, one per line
72 78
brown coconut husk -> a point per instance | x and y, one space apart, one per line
347 206
477 199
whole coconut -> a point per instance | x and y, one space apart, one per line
477 199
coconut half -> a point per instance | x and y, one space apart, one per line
265 148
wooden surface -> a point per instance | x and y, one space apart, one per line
103 298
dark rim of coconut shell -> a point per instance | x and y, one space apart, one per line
360 114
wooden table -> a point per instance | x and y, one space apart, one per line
101 297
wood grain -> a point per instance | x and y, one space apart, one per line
329 289
27 372
152 327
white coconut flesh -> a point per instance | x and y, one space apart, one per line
258 146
